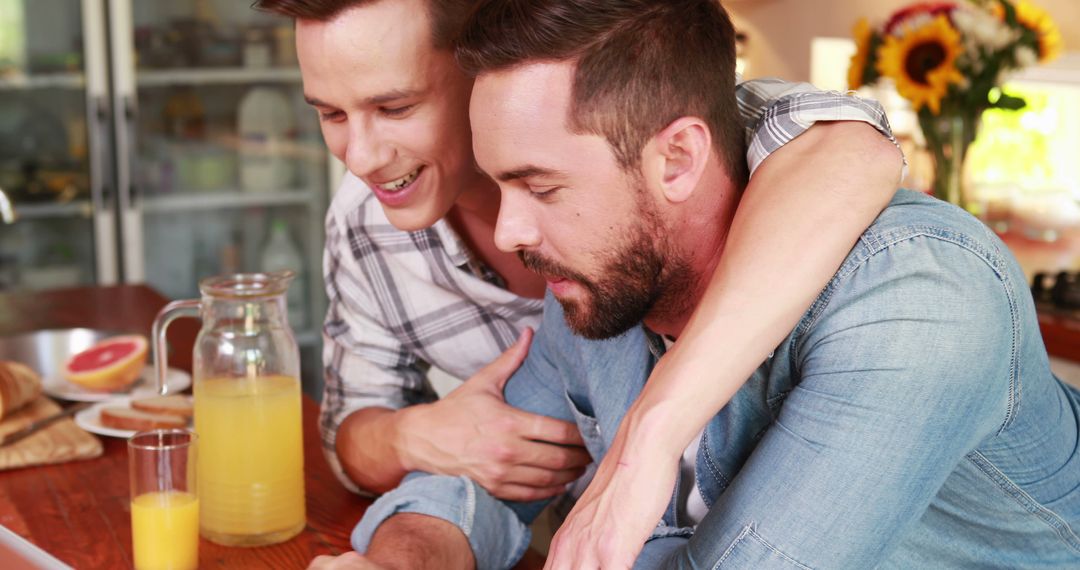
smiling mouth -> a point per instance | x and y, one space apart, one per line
400 183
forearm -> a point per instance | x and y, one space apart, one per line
800 214
409 541
367 447
496 537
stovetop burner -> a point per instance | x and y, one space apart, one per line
1059 292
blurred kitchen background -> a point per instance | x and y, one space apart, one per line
162 141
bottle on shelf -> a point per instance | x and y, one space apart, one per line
266 128
280 252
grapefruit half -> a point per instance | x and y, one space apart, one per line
111 364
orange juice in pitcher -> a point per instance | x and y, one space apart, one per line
247 409
252 470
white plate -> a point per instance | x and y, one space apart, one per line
90 419
176 380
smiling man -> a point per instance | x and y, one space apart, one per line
412 145
908 420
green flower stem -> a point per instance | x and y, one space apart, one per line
948 136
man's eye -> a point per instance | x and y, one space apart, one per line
544 191
396 111
330 115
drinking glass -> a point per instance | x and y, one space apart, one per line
164 502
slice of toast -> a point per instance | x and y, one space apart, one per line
126 418
174 405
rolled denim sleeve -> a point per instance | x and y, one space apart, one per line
774 112
497 536
496 529
907 363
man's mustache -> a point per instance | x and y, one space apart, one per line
543 266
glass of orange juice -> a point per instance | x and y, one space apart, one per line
164 499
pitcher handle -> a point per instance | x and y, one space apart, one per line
171 312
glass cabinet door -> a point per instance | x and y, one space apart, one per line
224 162
57 225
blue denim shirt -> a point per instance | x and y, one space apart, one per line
910 420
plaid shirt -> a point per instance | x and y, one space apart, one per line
401 301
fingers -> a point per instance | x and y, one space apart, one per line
550 430
515 481
541 478
610 523
524 493
499 371
347 561
578 550
549 457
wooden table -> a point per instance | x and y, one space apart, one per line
79 511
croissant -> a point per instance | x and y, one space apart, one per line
19 385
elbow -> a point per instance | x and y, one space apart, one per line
369 470
875 152
868 165
888 161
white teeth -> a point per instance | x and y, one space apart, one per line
395 185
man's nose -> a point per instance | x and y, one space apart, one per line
516 228
367 150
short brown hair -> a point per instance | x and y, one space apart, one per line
447 16
641 64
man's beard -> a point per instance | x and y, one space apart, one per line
637 276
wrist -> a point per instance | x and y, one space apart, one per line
403 441
652 432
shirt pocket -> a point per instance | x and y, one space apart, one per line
589 428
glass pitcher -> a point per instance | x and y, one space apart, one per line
247 408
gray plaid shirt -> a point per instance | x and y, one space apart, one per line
403 301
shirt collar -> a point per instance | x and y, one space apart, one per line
656 342
462 257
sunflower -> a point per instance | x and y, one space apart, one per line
863 39
1038 21
922 62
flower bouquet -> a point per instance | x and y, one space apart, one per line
948 59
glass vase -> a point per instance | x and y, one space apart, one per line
948 136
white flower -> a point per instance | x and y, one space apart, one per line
980 28
976 66
1025 56
912 23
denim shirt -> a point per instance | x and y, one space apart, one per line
909 420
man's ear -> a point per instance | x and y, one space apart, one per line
675 158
